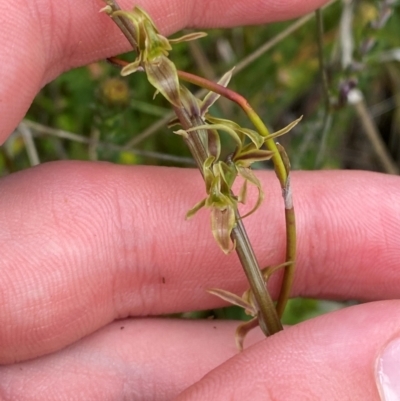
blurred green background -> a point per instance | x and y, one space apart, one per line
91 113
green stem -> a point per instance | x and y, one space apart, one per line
269 320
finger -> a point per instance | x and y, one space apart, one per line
333 357
40 39
135 359
85 243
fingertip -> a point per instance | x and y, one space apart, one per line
330 357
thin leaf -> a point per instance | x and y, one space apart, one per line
212 97
284 130
285 157
226 78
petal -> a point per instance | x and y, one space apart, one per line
242 331
161 73
221 127
181 132
135 17
132 67
214 143
268 271
247 158
173 122
188 37
254 136
249 176
107 9
228 174
242 197
156 45
190 102
195 209
192 106
143 15
228 123
222 223
232 299
208 175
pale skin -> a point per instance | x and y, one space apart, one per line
85 244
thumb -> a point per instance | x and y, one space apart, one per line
352 354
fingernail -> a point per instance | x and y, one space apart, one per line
388 372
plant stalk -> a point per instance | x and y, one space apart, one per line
123 24
268 317
281 170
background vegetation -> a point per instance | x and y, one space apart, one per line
91 113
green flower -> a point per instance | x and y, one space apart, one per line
153 49
219 178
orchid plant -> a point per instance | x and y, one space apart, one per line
201 131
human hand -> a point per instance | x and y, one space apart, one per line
84 244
